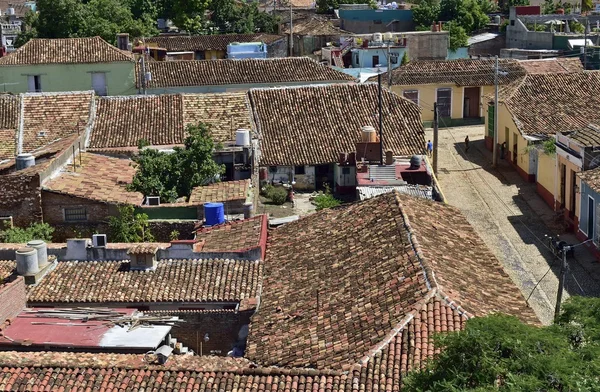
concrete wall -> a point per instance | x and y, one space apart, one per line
120 77
278 48
517 36
54 204
428 45
13 299
287 174
21 199
490 47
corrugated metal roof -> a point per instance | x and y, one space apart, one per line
481 38
423 191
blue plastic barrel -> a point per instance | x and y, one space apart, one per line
214 214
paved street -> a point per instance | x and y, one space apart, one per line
512 219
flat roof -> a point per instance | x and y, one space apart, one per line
37 327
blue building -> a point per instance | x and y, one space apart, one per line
371 56
247 50
361 19
589 205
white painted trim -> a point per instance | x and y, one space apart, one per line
569 157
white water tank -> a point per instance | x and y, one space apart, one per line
42 251
377 37
27 262
242 137
10 11
388 36
24 161
368 134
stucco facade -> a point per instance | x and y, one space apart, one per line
119 77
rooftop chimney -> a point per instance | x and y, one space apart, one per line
27 261
143 257
23 161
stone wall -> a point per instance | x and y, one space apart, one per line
278 48
161 230
13 299
21 199
53 205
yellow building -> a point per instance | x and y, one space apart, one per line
458 87
540 113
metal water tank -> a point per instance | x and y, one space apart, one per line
377 37
415 162
497 19
248 210
42 251
27 262
10 11
214 214
24 161
242 137
368 134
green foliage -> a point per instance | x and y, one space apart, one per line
576 27
511 3
185 14
171 176
405 59
549 146
487 6
82 18
427 12
174 235
536 27
327 6
587 5
467 14
277 194
499 352
129 226
458 36
143 143
326 200
36 231
231 16
503 26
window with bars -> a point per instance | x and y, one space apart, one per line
75 214
444 102
411 95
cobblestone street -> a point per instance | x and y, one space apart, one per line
512 219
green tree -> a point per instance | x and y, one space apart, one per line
35 231
499 352
328 6
458 35
59 18
326 200
506 4
129 226
185 14
405 59
466 13
175 175
427 12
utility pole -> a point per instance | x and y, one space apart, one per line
435 138
380 119
587 26
496 110
291 31
144 72
561 282
389 67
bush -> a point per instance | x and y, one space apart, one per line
36 231
129 226
277 194
326 200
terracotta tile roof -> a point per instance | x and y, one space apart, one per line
459 72
175 43
245 71
342 283
52 116
97 177
591 178
553 65
142 249
19 6
224 113
587 137
311 125
9 123
311 25
544 104
220 192
66 51
232 236
173 280
7 144
123 121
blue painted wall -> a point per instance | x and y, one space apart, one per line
363 58
385 16
460 53
249 50
586 193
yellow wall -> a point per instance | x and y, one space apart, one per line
214 54
546 173
571 167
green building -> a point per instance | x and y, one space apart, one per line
68 64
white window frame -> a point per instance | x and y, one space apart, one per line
413 91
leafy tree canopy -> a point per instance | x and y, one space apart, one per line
36 231
174 175
458 35
327 6
129 226
501 353
468 14
506 4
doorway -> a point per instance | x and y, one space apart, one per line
375 61
515 151
563 185
573 194
591 216
471 102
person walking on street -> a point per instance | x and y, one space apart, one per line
467 144
429 148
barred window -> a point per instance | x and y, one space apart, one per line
75 214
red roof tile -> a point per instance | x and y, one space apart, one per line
232 236
312 125
97 177
176 43
66 51
552 65
220 192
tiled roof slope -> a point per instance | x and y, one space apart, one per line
341 284
545 104
552 65
173 280
232 236
52 116
207 42
9 122
459 72
312 125
245 71
224 113
123 121
66 51
591 178
97 177
587 137
220 192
